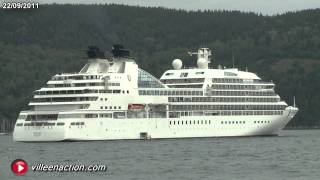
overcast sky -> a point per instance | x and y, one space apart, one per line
269 7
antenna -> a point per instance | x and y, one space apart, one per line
192 53
232 59
294 101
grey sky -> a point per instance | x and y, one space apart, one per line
260 6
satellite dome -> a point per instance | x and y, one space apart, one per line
177 64
202 63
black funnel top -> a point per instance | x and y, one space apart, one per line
119 51
94 52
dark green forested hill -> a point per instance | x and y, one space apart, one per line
36 44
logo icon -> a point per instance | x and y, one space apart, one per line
19 167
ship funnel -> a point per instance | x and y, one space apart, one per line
118 51
94 52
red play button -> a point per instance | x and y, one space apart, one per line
19 167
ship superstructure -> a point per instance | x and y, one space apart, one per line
115 99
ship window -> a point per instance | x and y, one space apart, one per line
183 74
73 123
146 80
169 74
19 124
119 114
91 115
61 124
22 116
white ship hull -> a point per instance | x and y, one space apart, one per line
157 128
109 100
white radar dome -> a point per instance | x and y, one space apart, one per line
177 64
202 63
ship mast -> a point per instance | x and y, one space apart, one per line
204 57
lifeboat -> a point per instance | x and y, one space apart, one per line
136 106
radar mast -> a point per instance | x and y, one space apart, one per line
204 58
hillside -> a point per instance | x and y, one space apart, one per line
36 44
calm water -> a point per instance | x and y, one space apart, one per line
293 155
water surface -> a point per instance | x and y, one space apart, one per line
294 155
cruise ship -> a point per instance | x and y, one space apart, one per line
112 98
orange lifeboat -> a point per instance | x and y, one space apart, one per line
136 106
